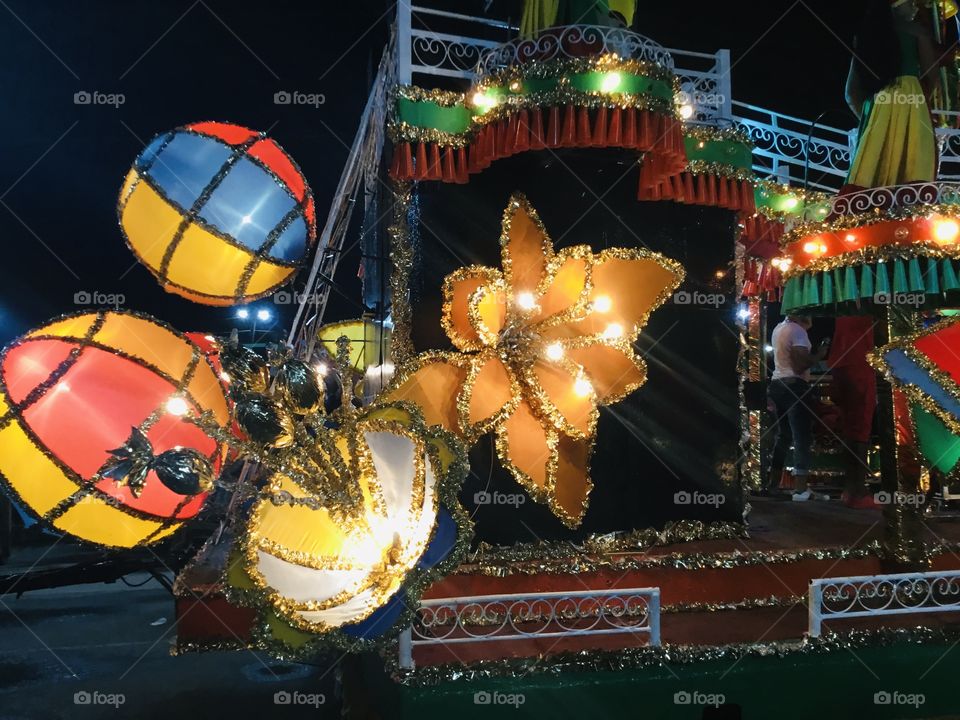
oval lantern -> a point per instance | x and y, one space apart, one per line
73 391
219 213
324 568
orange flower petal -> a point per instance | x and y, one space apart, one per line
613 368
527 450
490 393
568 499
458 288
627 286
432 383
487 311
525 247
561 401
566 289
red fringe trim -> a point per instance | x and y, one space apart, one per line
709 190
760 278
658 136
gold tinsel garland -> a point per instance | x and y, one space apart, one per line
731 172
401 256
638 658
707 133
875 254
402 132
541 69
442 98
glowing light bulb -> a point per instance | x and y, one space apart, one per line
177 406
209 338
768 348
582 387
515 86
720 274
810 247
790 203
321 369
946 231
263 315
686 111
526 301
224 376
243 313
743 313
613 331
850 238
610 82
602 304
554 351
776 263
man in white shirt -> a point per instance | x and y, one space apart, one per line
789 393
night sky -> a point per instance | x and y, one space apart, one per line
175 62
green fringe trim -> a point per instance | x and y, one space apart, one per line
839 286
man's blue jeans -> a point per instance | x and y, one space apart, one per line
794 422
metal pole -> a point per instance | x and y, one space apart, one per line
406 649
404 26
815 603
653 604
724 84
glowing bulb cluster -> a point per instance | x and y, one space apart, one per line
582 387
613 331
176 405
526 301
945 231
602 304
554 351
610 82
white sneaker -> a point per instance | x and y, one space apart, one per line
802 497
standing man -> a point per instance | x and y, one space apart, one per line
789 394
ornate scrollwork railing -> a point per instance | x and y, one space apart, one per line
880 595
896 196
574 41
486 618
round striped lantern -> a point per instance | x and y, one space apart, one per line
325 569
219 213
72 391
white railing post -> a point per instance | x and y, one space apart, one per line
724 84
406 649
653 608
814 615
404 37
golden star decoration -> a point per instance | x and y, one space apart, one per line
542 344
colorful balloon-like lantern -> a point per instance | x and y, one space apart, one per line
343 556
93 432
219 213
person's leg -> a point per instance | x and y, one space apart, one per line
781 438
801 429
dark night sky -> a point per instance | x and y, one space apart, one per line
181 61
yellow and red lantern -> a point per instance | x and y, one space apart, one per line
219 213
72 391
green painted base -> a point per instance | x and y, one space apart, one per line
897 681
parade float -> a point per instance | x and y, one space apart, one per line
526 475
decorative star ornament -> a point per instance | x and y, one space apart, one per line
542 343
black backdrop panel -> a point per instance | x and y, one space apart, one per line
679 430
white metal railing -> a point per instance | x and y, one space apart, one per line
896 196
570 41
705 84
790 149
881 595
520 616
